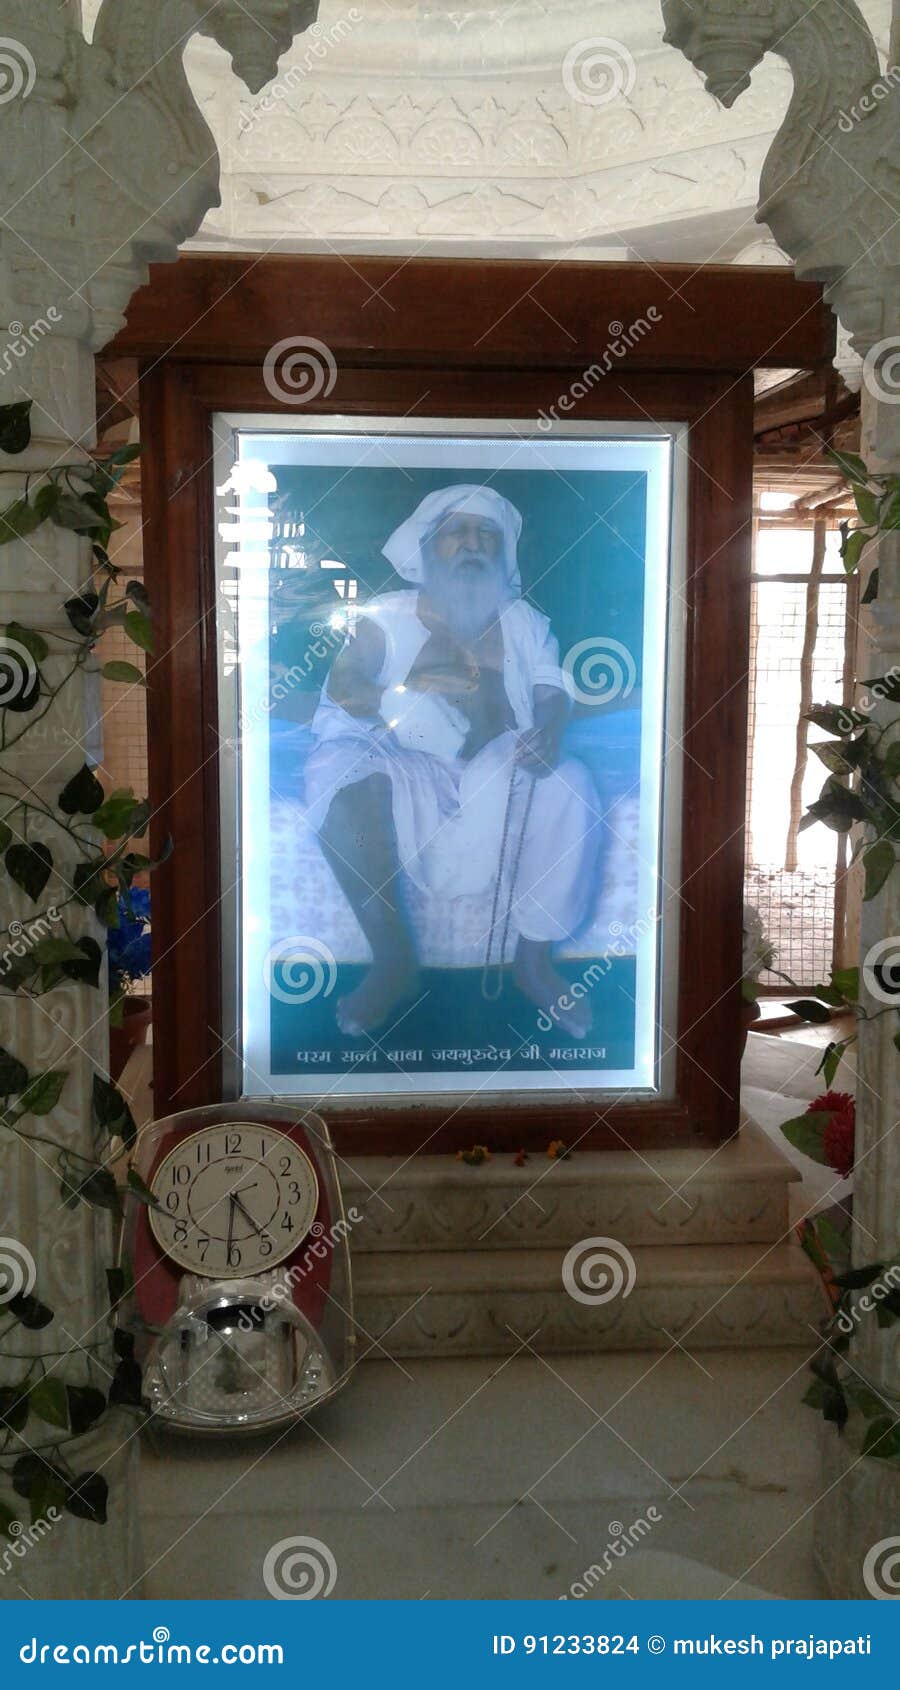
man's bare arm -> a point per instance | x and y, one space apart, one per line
352 681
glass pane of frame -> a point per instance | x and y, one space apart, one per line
450 683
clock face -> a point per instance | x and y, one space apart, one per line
234 1200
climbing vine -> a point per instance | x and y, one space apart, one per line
83 842
862 790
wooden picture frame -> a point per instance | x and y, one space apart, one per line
460 339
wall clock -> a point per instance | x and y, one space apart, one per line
241 1298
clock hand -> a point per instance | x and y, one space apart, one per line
246 1213
230 1227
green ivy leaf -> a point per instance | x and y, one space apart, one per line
8 1519
830 1062
49 1402
30 639
82 610
82 795
849 463
878 863
99 1189
48 1490
54 950
809 1009
116 816
853 548
30 1312
13 1074
111 1112
141 1191
126 673
15 427
14 1407
107 907
139 628
805 1133
88 880
867 504
882 1439
847 982
85 1404
6 834
885 686
871 592
87 1498
30 866
892 760
138 594
18 521
43 1092
86 964
128 1385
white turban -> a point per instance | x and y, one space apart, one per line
404 548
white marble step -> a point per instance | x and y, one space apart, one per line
734 1194
484 1302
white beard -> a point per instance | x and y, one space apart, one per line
466 601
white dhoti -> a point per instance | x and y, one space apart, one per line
450 817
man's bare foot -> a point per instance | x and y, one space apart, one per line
384 989
542 984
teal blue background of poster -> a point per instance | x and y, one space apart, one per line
582 562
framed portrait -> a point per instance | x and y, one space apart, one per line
451 662
448 713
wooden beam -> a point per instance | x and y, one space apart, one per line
476 314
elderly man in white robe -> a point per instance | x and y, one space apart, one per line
438 752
